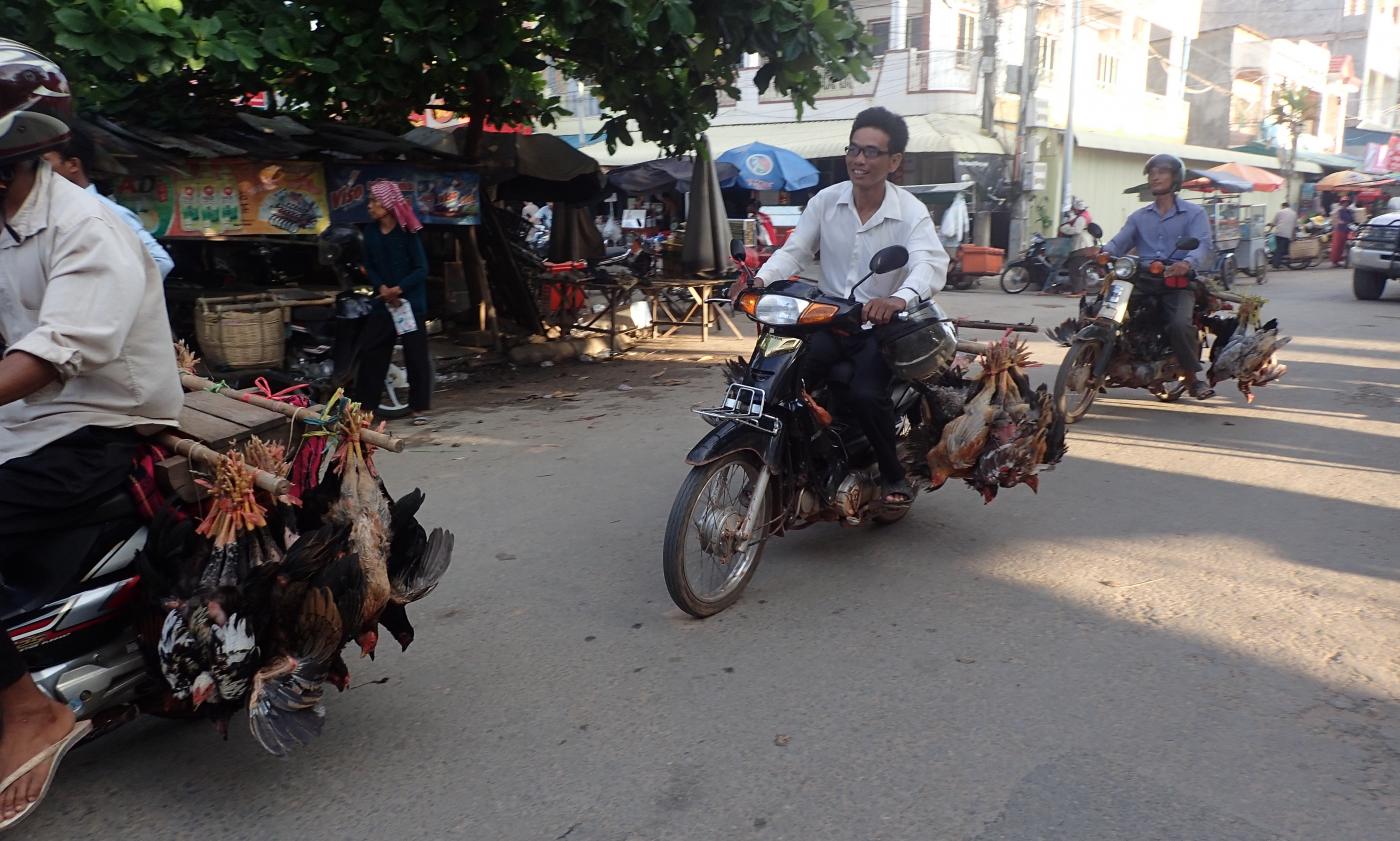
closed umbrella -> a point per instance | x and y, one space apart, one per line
665 174
764 167
707 234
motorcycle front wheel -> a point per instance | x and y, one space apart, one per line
704 572
1075 386
1015 279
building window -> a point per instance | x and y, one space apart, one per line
1107 74
967 38
1354 8
1045 52
916 34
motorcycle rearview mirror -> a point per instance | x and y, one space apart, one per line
737 251
887 259
1187 244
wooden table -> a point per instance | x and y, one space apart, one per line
219 422
698 312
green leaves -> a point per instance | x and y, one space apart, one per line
660 65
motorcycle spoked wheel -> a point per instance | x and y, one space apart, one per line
393 403
703 573
1075 381
1015 280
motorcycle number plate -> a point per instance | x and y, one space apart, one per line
1115 303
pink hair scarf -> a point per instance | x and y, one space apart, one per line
389 195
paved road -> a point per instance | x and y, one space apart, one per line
1189 634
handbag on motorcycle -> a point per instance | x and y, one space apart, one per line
920 346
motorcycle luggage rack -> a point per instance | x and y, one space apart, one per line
743 404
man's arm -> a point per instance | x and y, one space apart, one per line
928 264
96 285
801 245
1125 239
22 374
1199 227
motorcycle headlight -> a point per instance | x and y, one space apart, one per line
785 310
1124 268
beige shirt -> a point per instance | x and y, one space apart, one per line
77 290
829 224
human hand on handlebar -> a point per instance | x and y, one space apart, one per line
1181 268
881 310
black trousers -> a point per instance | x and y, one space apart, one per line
377 351
1178 305
1281 246
868 391
75 471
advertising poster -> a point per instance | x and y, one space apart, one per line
282 198
440 197
230 198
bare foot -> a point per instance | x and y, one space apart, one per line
32 723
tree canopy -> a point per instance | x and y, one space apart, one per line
661 64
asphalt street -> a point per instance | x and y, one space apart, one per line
1190 633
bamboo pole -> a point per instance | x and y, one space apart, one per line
192 449
247 395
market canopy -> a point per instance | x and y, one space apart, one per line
665 174
1350 181
765 167
1260 180
527 167
1204 181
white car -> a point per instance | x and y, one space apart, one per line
1375 256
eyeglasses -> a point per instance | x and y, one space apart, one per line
870 153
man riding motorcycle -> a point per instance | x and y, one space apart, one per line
1152 233
848 223
88 366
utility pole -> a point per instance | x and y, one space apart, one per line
990 27
1020 216
1066 185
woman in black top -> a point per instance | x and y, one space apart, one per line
397 267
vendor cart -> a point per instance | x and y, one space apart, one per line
1252 254
1223 212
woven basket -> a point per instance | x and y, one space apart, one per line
241 332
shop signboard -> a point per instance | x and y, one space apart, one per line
440 197
230 198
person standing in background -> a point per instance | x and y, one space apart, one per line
1075 225
1285 228
74 160
1342 218
397 267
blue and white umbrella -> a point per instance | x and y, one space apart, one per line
764 167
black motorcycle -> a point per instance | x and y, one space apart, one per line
777 458
1036 268
1120 339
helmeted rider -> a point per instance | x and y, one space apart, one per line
848 223
88 365
1152 232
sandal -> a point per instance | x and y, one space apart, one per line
54 752
1200 390
897 489
421 420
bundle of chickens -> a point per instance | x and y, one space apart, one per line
993 434
1244 350
261 594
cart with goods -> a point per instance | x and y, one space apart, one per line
1252 254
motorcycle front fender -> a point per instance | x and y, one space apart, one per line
732 437
1104 334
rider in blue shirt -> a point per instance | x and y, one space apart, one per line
1152 232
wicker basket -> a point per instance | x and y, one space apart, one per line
245 331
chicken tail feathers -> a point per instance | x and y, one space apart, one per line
420 577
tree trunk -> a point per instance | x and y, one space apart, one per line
1292 162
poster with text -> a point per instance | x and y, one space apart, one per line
230 198
282 198
439 197
151 198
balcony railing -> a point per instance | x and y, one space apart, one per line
836 88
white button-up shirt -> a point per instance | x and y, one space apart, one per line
829 224
77 291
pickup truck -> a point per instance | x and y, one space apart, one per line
1375 256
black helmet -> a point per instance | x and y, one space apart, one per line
1164 160
29 84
